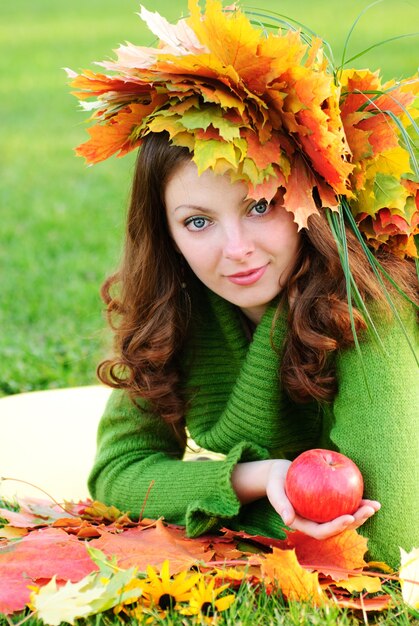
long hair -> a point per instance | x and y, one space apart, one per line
149 310
319 314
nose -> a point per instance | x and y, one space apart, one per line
238 244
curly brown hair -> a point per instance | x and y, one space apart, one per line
150 311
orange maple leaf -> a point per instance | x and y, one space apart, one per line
357 138
264 154
231 39
378 603
106 140
296 583
363 112
92 84
140 547
269 84
77 526
356 88
298 198
381 132
337 556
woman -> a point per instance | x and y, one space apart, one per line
233 323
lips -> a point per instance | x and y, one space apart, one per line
249 277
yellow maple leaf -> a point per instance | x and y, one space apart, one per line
229 36
394 162
11 532
409 576
371 584
54 604
282 568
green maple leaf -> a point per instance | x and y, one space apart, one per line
207 151
55 604
203 118
388 192
95 593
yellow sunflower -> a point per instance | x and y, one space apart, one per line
204 599
133 585
166 592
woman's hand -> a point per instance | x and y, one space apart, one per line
275 491
267 478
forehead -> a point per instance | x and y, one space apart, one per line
187 186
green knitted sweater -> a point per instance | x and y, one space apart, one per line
237 408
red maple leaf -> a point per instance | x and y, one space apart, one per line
39 556
140 547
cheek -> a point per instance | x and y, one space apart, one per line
178 238
284 239
200 259
198 255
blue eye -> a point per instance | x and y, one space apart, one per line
260 208
196 223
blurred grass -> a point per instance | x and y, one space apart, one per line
62 223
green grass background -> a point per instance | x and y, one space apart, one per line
61 223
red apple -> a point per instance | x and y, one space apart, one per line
322 485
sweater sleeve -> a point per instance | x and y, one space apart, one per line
378 427
139 467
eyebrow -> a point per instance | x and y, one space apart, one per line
196 207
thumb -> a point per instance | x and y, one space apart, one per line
276 494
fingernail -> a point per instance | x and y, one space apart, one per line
286 516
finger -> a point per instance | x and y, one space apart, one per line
323 531
282 505
275 492
362 515
373 503
364 512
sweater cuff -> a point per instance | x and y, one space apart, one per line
260 518
209 514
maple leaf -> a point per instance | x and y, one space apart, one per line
296 583
91 83
118 135
152 546
32 513
298 198
370 584
258 82
323 141
266 189
195 119
95 593
327 195
180 38
110 515
55 604
267 153
409 577
41 555
96 581
231 38
11 532
14 594
378 603
207 152
77 526
18 519
331 556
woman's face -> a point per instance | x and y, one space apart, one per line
242 249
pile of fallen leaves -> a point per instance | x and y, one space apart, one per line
74 560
